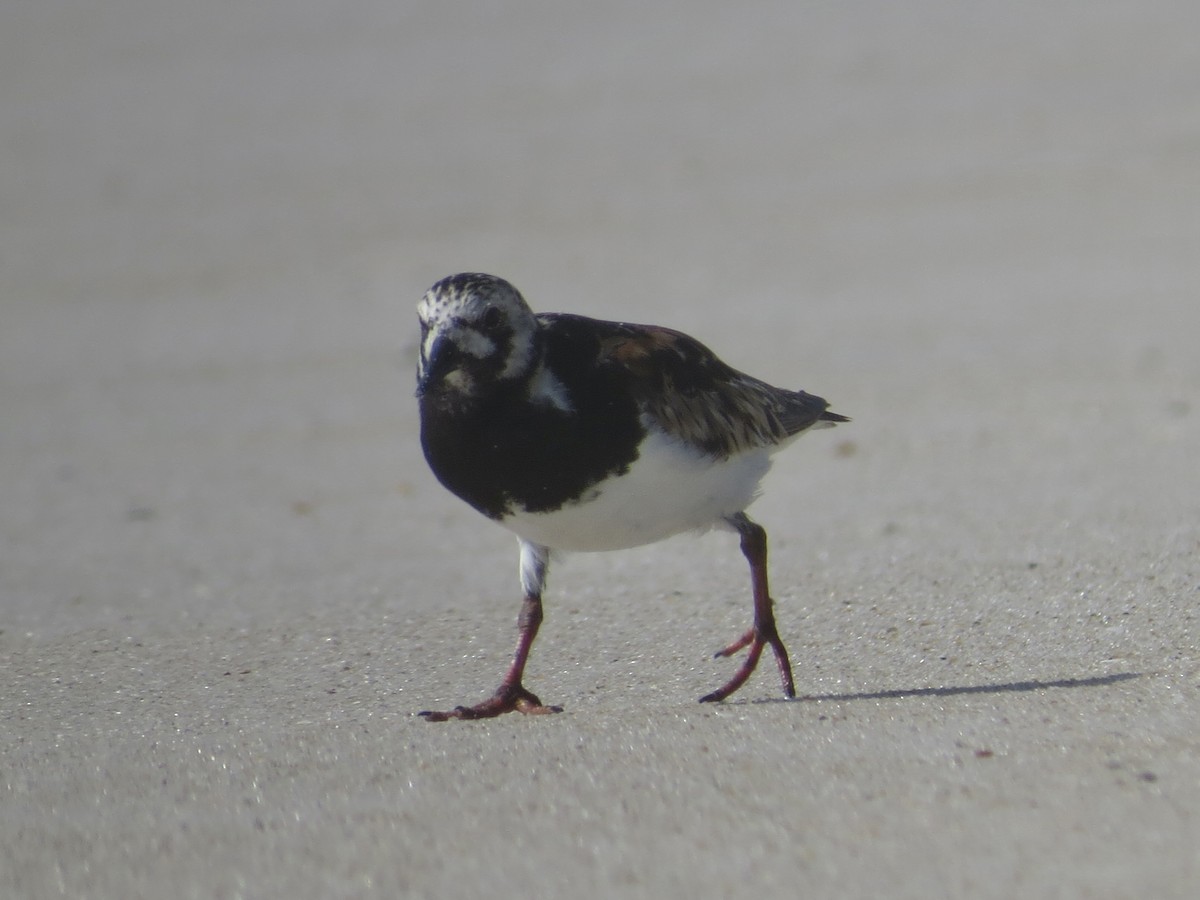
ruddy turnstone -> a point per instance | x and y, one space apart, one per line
580 434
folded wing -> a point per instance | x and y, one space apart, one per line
693 395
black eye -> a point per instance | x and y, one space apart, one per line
492 318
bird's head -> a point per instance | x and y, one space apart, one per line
476 332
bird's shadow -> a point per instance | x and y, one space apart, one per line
1008 687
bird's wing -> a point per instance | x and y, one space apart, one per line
693 395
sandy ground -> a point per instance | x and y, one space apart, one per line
228 582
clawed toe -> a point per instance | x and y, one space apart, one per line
744 641
508 698
755 640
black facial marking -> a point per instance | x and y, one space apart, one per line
492 318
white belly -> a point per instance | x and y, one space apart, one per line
669 489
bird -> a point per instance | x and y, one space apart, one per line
579 434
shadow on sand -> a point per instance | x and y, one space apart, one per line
952 691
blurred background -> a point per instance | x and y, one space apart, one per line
955 221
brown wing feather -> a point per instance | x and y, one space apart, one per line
693 395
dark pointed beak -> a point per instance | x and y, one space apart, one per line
444 357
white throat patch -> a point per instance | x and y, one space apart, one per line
545 388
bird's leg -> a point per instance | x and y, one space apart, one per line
763 631
512 696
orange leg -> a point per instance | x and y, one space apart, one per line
511 696
763 632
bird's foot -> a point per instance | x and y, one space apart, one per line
756 638
508 698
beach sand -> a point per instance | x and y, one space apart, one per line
228 581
